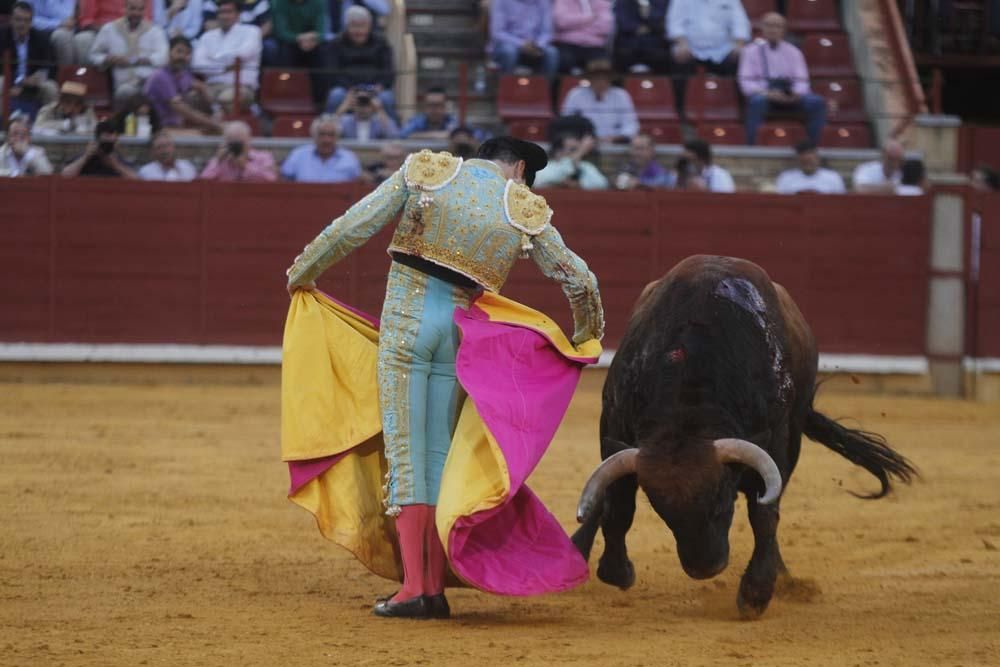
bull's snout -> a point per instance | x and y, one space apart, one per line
703 571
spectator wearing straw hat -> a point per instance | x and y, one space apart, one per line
70 114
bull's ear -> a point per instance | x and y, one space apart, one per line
610 447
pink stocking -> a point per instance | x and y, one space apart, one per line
437 562
410 525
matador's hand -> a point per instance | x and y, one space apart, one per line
309 286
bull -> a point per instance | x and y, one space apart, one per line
709 394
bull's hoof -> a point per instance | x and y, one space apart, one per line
753 598
616 572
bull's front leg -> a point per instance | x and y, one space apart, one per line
757 584
615 568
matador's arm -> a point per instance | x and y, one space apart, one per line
578 283
349 231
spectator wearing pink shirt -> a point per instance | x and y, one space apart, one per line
581 31
773 73
236 161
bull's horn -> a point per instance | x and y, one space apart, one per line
612 468
733 450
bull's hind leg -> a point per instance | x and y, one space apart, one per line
615 568
757 584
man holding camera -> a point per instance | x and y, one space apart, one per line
101 157
236 161
362 116
773 73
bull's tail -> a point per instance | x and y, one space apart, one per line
868 450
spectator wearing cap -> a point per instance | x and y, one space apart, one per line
881 175
165 165
70 114
641 36
695 170
323 161
101 157
361 60
362 116
521 34
706 33
773 74
17 156
56 19
568 168
179 18
237 161
94 15
643 171
913 178
581 32
178 97
132 48
219 49
31 62
810 176
608 107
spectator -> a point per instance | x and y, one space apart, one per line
809 177
462 142
17 156
101 157
94 15
435 122
582 29
709 33
521 34
336 13
391 158
643 171
984 178
880 175
567 167
640 36
323 161
218 49
362 60
773 72
131 47
165 165
913 179
177 96
250 12
70 114
235 160
695 170
608 107
57 20
363 117
31 58
298 29
178 18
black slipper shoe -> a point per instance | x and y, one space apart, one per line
437 606
412 608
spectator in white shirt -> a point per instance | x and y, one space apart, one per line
18 157
913 181
217 51
695 170
178 17
131 47
165 165
710 33
809 177
608 107
880 175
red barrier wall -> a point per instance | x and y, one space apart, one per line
984 293
88 260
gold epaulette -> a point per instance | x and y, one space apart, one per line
429 171
526 211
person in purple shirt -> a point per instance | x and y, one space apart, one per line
773 73
178 97
322 161
643 171
521 34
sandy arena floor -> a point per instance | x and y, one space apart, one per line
145 523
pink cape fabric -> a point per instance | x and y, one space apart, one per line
521 386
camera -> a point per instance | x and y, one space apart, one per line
782 84
235 148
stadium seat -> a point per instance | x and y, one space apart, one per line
812 15
292 126
662 131
727 134
846 136
780 134
530 130
846 94
828 55
286 91
98 86
566 84
653 97
524 97
713 99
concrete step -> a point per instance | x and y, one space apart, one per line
468 7
443 26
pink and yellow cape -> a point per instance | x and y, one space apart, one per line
519 372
